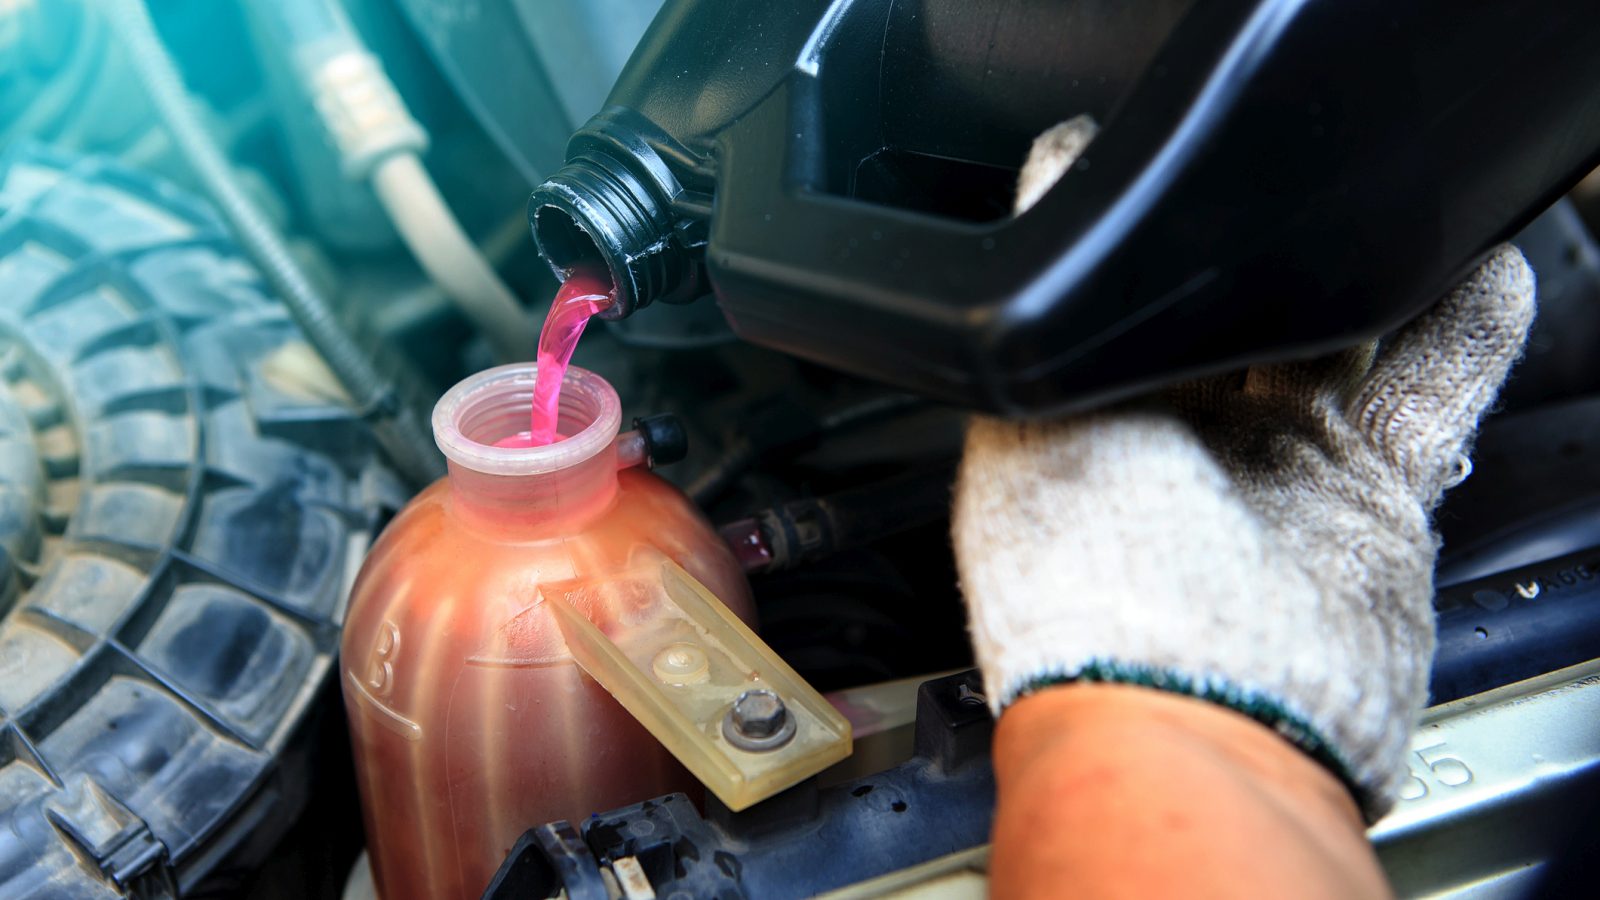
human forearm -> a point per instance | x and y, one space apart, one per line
1120 791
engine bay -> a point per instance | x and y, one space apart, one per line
224 329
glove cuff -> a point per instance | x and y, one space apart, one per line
1267 709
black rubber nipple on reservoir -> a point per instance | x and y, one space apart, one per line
665 439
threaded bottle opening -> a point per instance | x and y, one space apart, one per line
564 243
595 210
495 404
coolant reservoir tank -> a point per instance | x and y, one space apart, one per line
504 612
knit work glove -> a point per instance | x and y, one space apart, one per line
1261 540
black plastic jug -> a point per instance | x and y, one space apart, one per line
1273 178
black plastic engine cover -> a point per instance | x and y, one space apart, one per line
184 495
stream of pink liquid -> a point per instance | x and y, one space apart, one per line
585 293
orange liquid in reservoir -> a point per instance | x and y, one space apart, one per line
470 722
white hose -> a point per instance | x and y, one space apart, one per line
378 140
449 257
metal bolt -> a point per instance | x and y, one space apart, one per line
759 714
758 720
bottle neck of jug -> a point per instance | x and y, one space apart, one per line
526 493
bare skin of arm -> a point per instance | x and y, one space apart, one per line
1119 791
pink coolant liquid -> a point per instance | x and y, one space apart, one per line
585 293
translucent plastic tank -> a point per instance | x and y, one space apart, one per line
470 719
